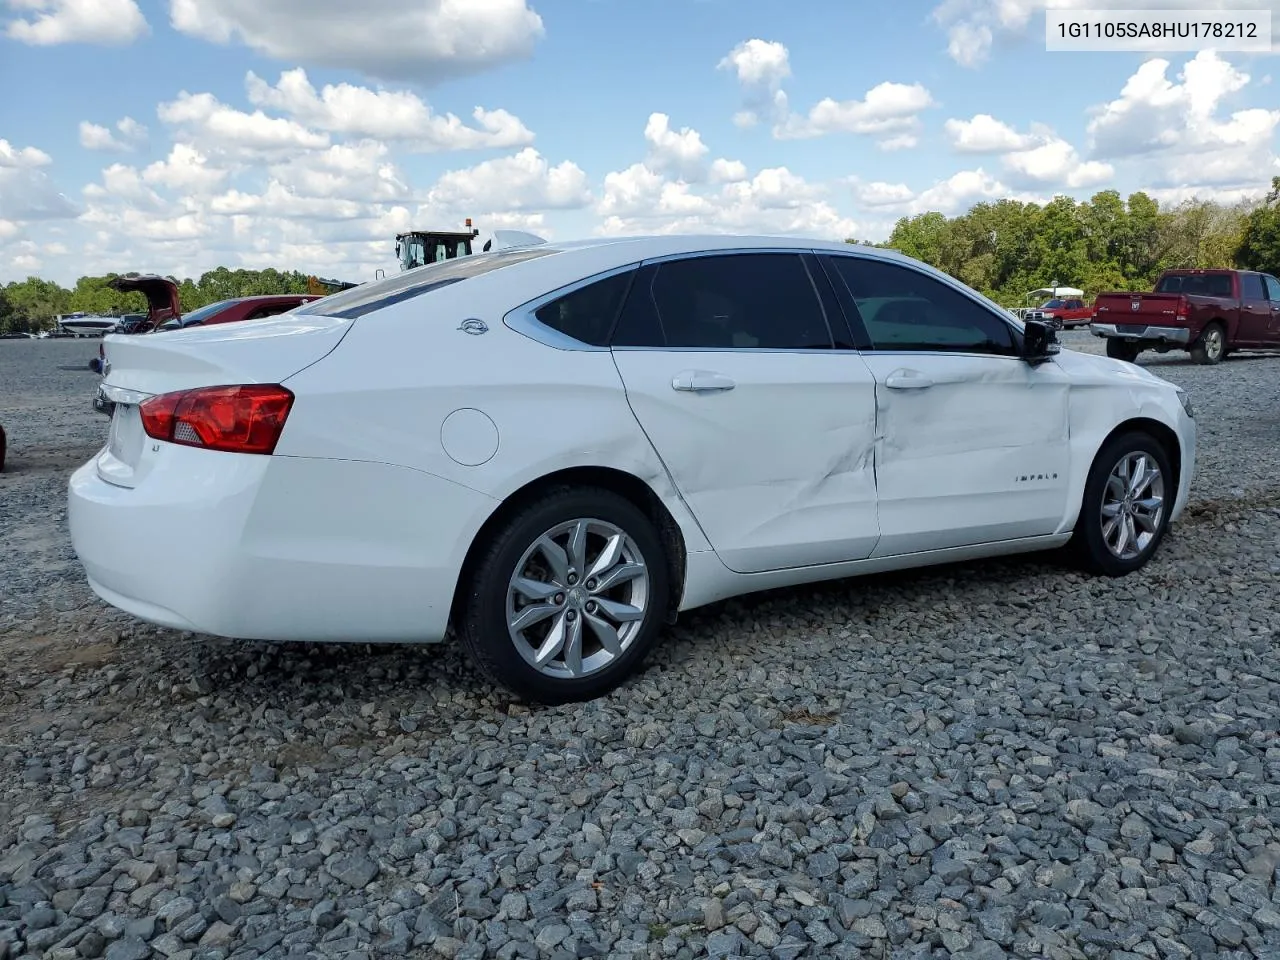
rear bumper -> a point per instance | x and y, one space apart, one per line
1142 332
277 548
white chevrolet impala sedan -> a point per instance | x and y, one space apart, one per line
554 449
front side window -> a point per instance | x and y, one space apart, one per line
905 309
753 301
1251 287
1273 288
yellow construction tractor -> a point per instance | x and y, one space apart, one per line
322 288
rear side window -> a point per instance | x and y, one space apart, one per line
1251 287
588 313
752 301
369 297
1273 288
1197 285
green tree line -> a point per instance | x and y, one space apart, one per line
1007 248
33 304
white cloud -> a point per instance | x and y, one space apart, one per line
985 134
106 22
132 135
1055 163
949 196
728 171
758 63
774 201
361 171
185 170
26 190
681 153
26 158
1176 131
353 110
887 108
760 67
424 40
218 127
881 194
901 141
521 182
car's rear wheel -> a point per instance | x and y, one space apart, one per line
1212 345
1122 350
1125 512
566 597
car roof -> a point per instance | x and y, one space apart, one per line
658 245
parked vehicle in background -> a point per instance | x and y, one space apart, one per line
1209 313
223 311
238 309
607 432
1065 307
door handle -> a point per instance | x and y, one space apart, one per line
701 381
907 380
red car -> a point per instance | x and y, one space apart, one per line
164 311
239 308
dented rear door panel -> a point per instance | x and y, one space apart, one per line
778 469
981 454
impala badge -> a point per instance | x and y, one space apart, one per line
473 327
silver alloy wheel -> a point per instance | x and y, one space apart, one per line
578 598
1213 343
1132 505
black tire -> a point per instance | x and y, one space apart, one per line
4 443
1211 346
1122 350
482 617
1088 543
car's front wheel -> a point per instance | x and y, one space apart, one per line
566 597
1125 512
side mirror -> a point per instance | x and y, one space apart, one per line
1039 342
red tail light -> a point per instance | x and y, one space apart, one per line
236 419
1184 308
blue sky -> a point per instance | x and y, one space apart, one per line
618 116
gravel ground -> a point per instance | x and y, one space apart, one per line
1004 759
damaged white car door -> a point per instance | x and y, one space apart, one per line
972 440
767 430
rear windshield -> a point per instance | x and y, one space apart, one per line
369 297
1196 284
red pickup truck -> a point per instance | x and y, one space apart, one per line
1209 313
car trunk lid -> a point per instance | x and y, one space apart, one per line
266 351
163 302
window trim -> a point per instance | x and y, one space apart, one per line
803 254
524 320
1262 282
1266 287
863 338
